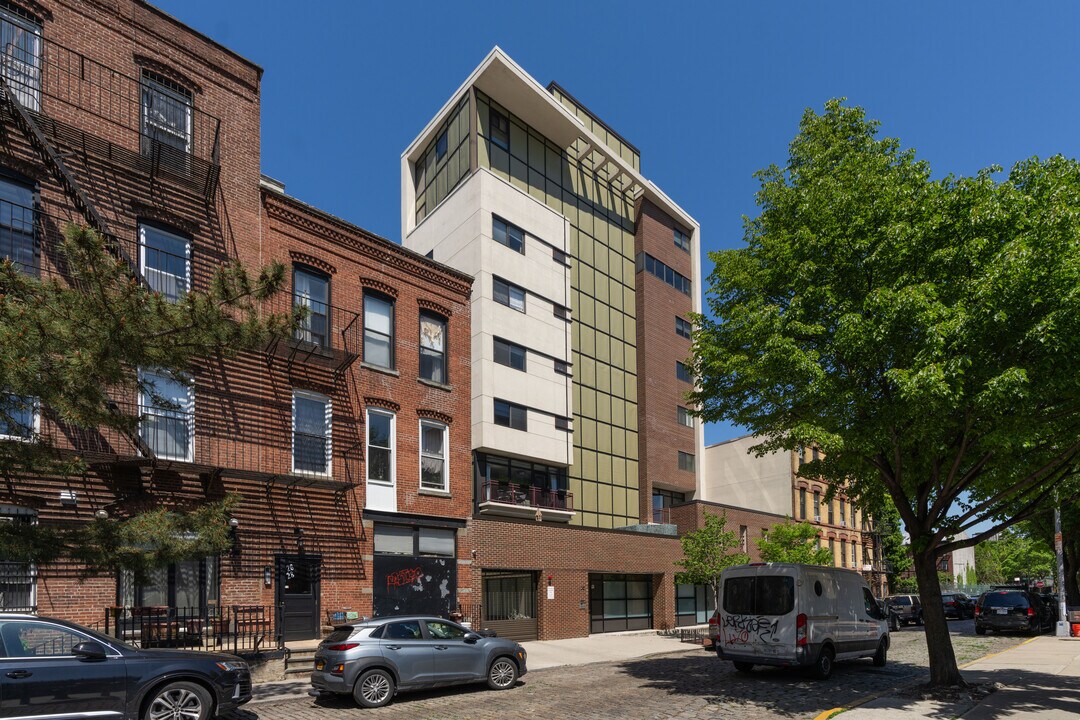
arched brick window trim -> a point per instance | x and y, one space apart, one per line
168 72
34 10
153 212
28 170
434 415
433 307
373 284
382 403
312 261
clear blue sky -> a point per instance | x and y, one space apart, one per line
709 91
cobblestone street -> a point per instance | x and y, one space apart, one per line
685 685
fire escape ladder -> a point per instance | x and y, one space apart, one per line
54 159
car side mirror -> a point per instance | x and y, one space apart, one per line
89 651
472 638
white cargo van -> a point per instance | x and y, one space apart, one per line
798 615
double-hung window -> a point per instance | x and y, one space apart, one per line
20 57
380 447
165 258
509 235
17 225
166 121
511 415
432 347
510 295
378 330
434 470
18 417
311 446
311 291
167 415
509 354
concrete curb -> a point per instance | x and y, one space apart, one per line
862 701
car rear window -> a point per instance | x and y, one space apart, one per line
1005 599
340 634
771 595
948 598
900 600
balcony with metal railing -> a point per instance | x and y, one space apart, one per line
528 501
328 336
143 123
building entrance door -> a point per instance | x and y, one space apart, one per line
620 602
298 595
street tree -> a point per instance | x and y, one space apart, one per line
1016 553
793 543
919 331
707 552
70 341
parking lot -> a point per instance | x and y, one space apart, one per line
681 685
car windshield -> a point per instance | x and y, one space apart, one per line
1005 600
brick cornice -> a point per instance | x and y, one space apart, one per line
434 415
382 403
433 307
305 259
378 249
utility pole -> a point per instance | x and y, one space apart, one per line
1063 624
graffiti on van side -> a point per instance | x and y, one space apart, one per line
740 629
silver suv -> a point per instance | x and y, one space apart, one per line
374 659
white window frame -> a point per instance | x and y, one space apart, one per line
445 456
27 71
145 401
35 428
329 404
142 254
393 447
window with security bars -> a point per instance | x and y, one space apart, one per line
165 260
166 121
311 291
17 223
167 415
20 57
311 446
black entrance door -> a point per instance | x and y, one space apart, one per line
298 595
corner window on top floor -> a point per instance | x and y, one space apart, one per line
378 330
682 240
167 415
165 261
166 120
311 291
432 347
500 129
509 235
508 294
17 222
20 44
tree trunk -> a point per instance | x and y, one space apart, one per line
943 669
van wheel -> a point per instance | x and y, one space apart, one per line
881 654
743 666
823 667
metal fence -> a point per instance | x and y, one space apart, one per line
236 629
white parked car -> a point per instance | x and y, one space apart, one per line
798 615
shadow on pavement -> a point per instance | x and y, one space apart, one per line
1027 692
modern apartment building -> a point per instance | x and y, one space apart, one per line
774 484
349 443
584 454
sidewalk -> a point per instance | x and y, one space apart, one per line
1041 680
541 654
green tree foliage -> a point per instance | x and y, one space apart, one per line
916 330
1041 528
1015 554
970 577
793 543
707 552
73 342
894 551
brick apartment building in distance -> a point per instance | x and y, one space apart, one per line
773 484
585 458
349 444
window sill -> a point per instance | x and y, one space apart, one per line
432 383
436 493
380 369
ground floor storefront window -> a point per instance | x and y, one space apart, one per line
192 585
620 602
694 604
509 604
414 570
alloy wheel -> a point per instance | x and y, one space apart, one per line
176 704
503 673
375 688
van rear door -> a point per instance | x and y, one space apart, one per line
758 615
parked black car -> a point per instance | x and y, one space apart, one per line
888 612
958 605
52 668
1012 609
908 608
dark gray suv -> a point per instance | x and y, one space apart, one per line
374 659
